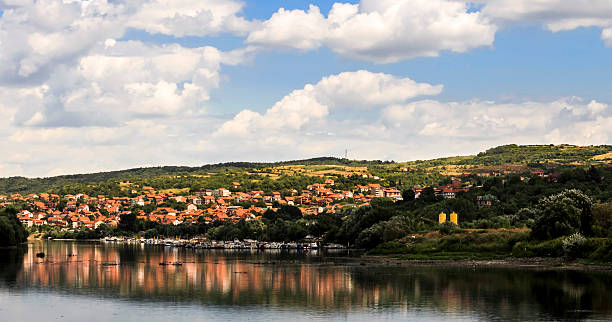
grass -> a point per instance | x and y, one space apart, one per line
491 244
175 191
460 244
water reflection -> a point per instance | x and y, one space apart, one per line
311 281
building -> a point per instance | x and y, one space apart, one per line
393 193
486 201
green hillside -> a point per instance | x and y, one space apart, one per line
282 175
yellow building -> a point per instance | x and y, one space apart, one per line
442 218
454 218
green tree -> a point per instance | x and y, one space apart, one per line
128 223
12 231
408 195
562 214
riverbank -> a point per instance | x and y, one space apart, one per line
495 247
521 263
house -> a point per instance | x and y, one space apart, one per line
180 199
486 200
290 201
393 193
208 200
276 196
376 190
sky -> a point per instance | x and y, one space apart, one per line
99 85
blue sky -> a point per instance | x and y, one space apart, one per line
202 81
526 62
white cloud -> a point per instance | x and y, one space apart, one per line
606 36
394 129
124 81
36 36
361 89
304 30
487 120
190 17
556 15
76 98
379 31
68 53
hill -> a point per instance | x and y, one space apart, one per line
278 175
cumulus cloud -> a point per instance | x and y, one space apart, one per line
556 15
36 36
361 89
401 130
378 31
76 97
190 17
606 36
126 80
487 119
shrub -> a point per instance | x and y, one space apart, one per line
393 247
573 245
550 248
448 228
603 253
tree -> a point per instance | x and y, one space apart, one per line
602 219
372 236
428 195
128 222
12 231
562 214
408 195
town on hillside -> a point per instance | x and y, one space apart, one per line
209 205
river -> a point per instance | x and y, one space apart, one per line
97 281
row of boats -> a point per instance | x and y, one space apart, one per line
213 244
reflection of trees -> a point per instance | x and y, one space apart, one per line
290 279
496 292
11 263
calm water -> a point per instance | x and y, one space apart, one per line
104 282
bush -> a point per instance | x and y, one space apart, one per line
573 245
602 220
448 228
393 247
603 253
550 248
